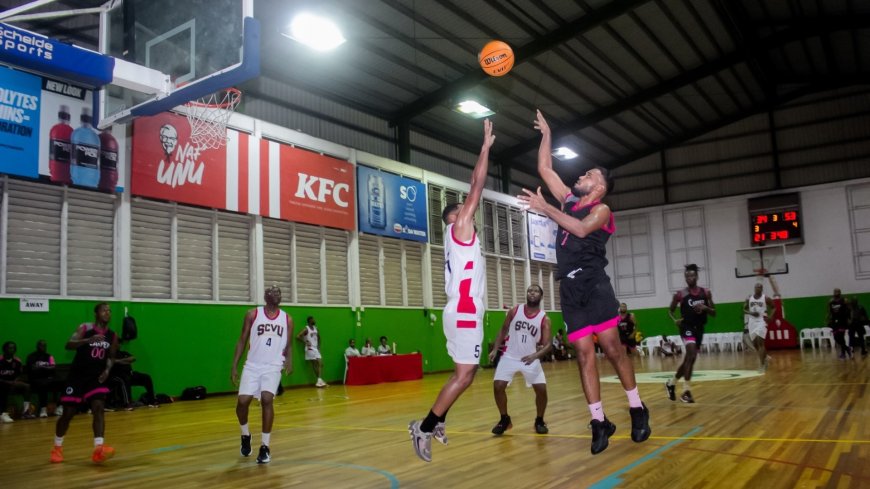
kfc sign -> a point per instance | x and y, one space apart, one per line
248 174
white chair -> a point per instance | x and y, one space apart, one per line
808 334
735 340
711 342
826 334
650 344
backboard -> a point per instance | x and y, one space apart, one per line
188 49
772 259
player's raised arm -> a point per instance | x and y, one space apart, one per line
545 160
464 225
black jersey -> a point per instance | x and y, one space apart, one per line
688 300
40 366
91 358
575 254
839 312
10 368
626 327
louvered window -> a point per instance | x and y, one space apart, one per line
234 257
308 260
492 284
278 256
436 225
439 296
90 242
392 271
370 270
33 241
518 235
337 276
414 273
151 250
195 262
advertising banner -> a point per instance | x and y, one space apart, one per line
19 123
248 174
542 238
390 205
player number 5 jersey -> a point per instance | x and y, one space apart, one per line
268 338
464 275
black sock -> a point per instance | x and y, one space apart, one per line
443 417
539 418
429 423
505 417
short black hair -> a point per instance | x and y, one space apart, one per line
608 178
382 338
8 343
448 210
540 289
99 305
309 318
691 267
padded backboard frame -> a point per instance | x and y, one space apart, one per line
770 258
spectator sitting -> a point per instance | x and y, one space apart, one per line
384 348
11 369
351 350
368 350
123 378
560 352
40 369
668 348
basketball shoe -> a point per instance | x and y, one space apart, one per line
264 457
421 440
56 454
440 433
102 453
541 426
246 445
503 425
640 429
672 390
687 397
601 433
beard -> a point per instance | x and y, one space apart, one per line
579 192
533 303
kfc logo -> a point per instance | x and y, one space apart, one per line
318 189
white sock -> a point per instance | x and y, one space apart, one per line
672 381
98 440
26 406
266 437
597 411
246 431
686 385
58 441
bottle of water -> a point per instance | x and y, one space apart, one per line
377 209
84 166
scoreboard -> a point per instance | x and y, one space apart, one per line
775 220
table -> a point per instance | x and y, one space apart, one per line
384 368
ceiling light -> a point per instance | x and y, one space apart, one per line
315 32
564 153
473 109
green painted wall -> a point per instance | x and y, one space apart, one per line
183 345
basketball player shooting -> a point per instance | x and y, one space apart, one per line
464 283
588 302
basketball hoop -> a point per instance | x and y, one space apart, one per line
761 272
208 117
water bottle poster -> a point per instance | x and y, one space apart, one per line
542 238
391 205
19 123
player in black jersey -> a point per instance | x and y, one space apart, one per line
588 302
95 345
839 316
696 303
627 327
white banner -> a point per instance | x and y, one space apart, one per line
33 304
542 238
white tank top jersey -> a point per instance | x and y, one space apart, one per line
312 339
525 333
268 338
757 305
464 275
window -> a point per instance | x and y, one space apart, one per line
544 274
439 197
194 248
859 221
151 253
234 257
503 245
631 247
392 272
57 241
686 241
278 256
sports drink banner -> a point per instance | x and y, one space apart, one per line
248 174
390 205
46 129
542 238
19 123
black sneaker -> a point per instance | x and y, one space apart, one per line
246 445
263 457
672 391
601 432
640 429
541 426
687 397
503 425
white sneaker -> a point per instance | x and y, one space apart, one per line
5 418
320 383
43 413
440 433
58 411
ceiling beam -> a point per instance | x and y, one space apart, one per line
683 79
522 54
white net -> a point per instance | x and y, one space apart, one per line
208 117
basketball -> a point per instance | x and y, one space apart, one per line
496 58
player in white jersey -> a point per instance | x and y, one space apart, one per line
267 330
464 276
311 337
757 309
529 328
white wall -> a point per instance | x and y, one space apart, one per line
823 262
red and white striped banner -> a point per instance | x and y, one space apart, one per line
249 175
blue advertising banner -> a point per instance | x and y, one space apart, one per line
19 123
542 238
390 205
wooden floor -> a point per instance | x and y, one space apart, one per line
803 424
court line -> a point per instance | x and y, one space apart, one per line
614 479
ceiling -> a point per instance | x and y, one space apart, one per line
617 80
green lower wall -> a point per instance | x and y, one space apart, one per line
183 345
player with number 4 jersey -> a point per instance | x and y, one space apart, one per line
464 275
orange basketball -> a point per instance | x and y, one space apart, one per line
496 58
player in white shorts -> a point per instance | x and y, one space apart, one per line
757 309
311 337
529 328
464 283
266 329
